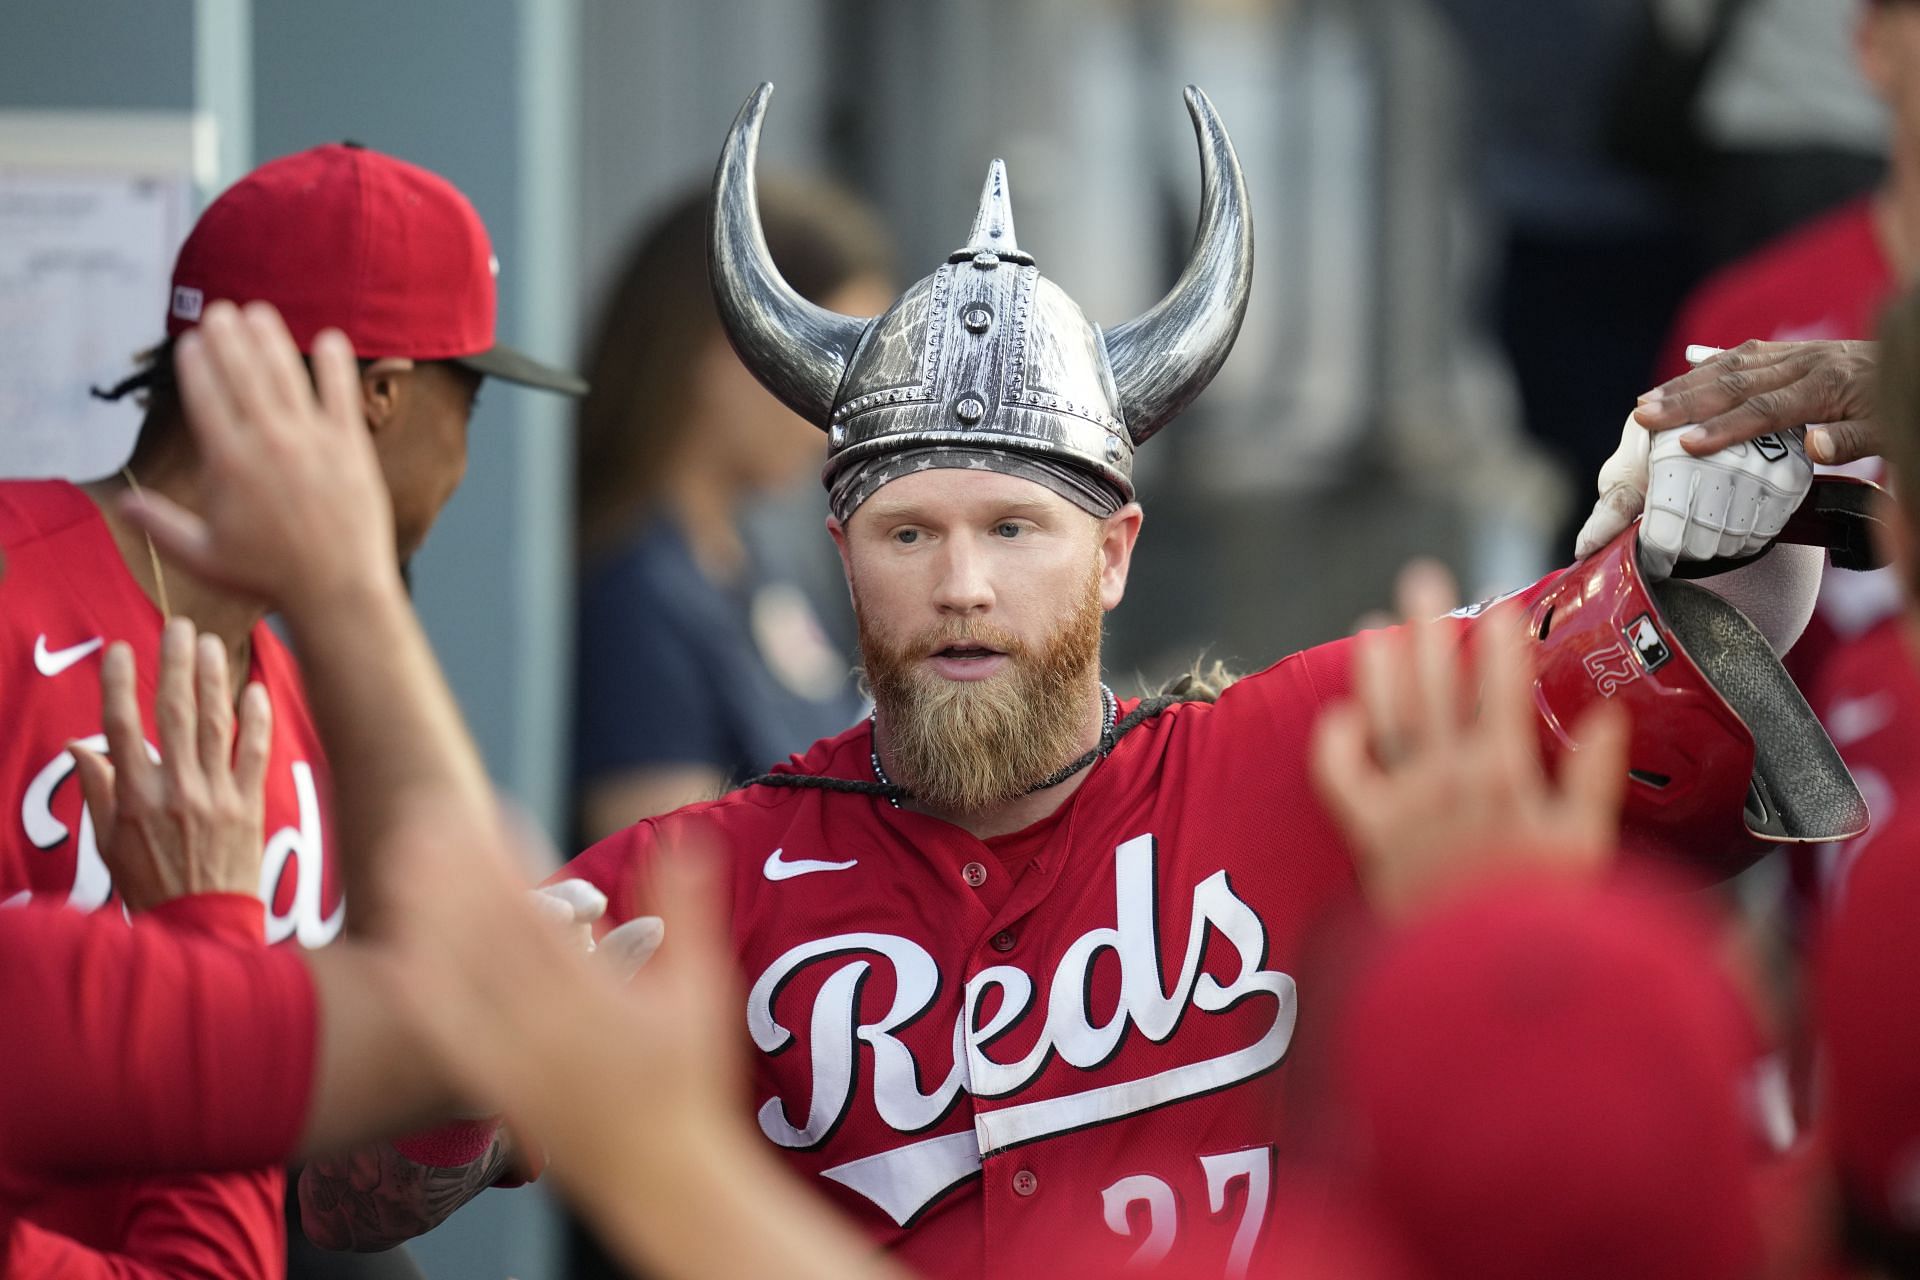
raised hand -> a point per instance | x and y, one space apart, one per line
1760 387
294 510
1438 786
190 821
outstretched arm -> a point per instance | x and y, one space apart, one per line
373 1198
295 512
640 1094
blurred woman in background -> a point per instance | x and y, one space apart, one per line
700 660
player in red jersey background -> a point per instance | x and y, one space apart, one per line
165 1067
66 594
337 235
1830 280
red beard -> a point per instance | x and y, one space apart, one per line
963 746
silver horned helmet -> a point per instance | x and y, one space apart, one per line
985 363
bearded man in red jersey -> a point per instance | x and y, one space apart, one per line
1020 954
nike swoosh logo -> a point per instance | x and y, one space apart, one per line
777 869
51 662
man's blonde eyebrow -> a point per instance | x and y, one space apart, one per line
891 510
1026 506
1030 507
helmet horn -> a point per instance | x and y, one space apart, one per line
1165 358
798 350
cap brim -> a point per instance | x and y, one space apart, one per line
502 361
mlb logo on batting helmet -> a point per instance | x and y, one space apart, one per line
1647 644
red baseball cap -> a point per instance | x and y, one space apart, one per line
346 238
1550 1080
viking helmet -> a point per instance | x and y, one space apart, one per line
984 363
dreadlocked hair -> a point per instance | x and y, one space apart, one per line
153 372
1204 681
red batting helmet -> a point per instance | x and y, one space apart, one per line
1726 758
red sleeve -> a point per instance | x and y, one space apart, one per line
192 1227
239 918
152 1050
1325 672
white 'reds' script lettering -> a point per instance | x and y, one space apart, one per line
904 1180
300 844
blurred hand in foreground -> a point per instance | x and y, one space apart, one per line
294 510
1435 793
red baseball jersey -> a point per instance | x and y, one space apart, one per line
1055 1045
177 1043
65 594
1827 279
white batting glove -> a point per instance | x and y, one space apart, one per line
1624 478
1730 503
1623 491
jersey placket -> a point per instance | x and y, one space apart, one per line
1014 1185
994 936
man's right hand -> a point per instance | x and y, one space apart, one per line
1761 387
294 510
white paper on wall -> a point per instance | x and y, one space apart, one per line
93 207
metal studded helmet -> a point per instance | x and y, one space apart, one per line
985 363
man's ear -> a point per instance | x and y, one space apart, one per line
838 532
1118 533
382 387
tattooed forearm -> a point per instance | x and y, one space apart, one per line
375 1198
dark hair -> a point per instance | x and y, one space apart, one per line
152 372
658 317
155 389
